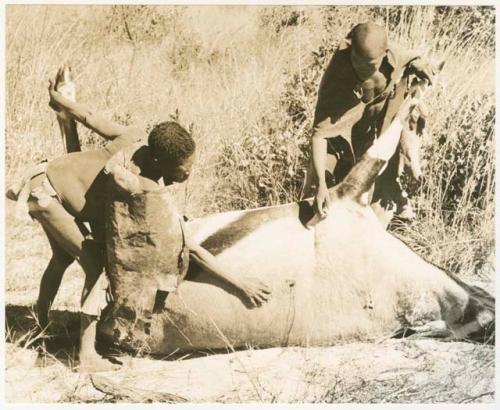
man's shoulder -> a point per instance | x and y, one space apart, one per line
340 64
132 137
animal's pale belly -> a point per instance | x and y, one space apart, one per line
210 314
319 295
340 281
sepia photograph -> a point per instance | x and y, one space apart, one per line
214 204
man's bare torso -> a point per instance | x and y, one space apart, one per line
79 178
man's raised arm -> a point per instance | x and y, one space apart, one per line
83 114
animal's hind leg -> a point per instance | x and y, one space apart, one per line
64 84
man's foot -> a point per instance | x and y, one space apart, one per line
93 363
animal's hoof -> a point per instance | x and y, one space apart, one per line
64 83
13 193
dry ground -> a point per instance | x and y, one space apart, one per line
424 371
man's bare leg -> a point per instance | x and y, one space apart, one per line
62 228
51 281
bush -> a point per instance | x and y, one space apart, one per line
246 79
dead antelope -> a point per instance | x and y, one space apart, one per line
342 278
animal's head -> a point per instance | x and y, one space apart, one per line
147 254
478 322
411 141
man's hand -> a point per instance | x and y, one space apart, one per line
63 85
422 70
52 96
256 291
322 200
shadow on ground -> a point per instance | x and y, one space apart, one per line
21 328
61 339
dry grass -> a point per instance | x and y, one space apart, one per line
390 372
244 80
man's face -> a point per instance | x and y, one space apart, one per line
177 173
366 64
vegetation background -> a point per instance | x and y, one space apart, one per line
244 80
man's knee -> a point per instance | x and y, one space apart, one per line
42 209
61 260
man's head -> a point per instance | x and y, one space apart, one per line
368 48
173 147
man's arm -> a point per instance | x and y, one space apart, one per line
322 199
337 109
256 291
83 114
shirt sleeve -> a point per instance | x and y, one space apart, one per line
337 108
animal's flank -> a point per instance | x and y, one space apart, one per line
243 226
340 270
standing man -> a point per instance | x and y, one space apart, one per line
359 94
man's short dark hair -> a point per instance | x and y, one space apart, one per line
171 142
368 39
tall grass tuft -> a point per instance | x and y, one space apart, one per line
244 79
